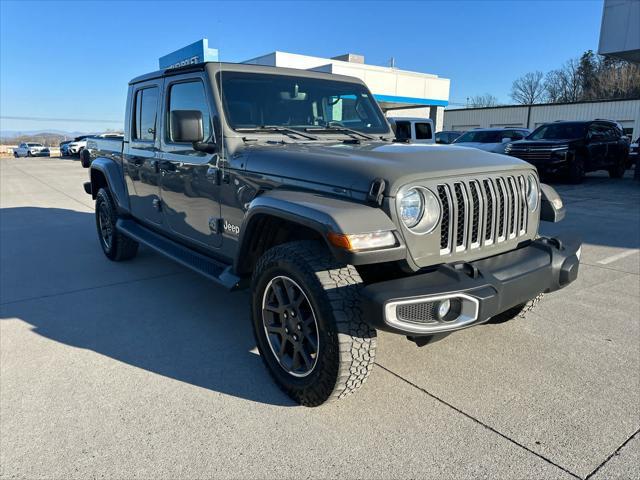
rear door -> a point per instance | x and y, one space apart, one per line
189 178
140 154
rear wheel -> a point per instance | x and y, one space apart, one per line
115 245
617 171
308 323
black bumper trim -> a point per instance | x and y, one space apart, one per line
498 283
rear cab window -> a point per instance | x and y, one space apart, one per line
145 114
423 131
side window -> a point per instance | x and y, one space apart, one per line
594 132
423 131
403 130
189 96
145 113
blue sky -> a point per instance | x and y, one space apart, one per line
74 59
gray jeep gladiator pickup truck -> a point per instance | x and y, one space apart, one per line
290 183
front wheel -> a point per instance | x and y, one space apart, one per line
576 170
520 311
308 323
29 154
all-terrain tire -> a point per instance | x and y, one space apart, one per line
617 171
119 247
519 311
347 344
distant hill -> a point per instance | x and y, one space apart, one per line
17 133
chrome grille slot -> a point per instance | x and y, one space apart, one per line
489 231
502 209
481 212
461 216
445 223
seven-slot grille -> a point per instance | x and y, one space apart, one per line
476 213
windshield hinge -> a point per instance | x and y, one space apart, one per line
376 191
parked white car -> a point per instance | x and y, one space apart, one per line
491 139
31 149
413 129
78 144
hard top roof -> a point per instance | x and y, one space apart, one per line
215 67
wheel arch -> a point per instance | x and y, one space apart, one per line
309 216
105 173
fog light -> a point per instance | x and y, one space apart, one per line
443 308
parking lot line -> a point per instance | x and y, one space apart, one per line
617 256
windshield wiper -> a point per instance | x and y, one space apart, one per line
332 128
277 129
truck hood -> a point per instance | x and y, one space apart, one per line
355 166
487 147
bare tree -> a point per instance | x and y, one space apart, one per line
486 100
528 89
564 84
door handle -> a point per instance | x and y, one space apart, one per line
168 166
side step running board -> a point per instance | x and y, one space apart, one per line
210 268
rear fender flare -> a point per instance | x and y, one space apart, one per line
112 173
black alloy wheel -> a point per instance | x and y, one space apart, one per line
290 326
105 226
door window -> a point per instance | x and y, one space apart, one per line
423 131
145 113
190 96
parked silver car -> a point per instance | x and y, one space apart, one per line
29 149
491 139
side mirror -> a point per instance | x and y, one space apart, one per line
186 126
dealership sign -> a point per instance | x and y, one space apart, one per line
197 52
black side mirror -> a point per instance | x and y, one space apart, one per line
186 126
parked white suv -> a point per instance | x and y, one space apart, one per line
31 149
414 130
78 144
491 139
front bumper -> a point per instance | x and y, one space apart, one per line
482 289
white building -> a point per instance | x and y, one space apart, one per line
625 112
620 30
399 92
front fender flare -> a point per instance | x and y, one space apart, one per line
323 214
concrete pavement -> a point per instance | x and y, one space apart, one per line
142 369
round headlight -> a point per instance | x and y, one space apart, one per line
411 207
420 210
533 193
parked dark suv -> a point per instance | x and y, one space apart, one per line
574 148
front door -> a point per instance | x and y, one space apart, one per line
140 155
597 146
189 178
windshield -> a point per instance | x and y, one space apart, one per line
481 136
34 144
254 100
559 131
